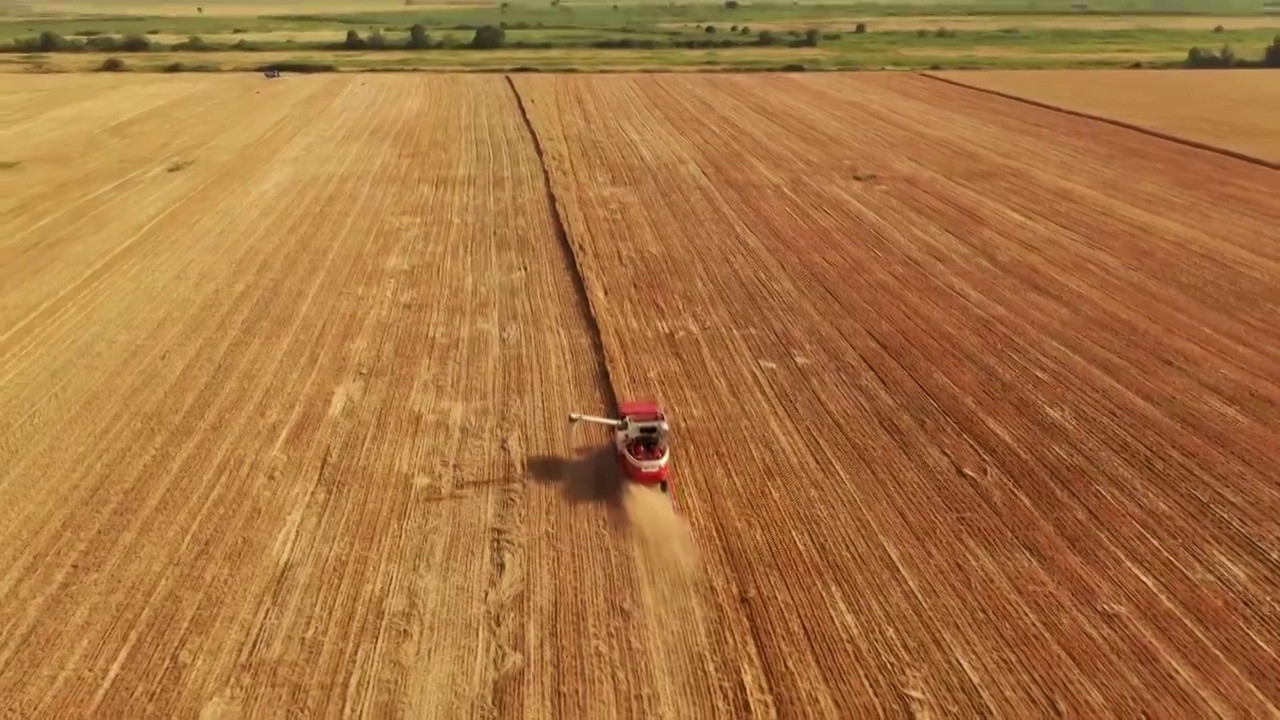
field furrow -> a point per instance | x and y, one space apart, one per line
987 399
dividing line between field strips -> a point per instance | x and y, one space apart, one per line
1110 121
603 378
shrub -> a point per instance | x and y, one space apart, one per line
489 37
1271 58
376 41
1219 29
112 64
101 43
944 33
922 33
1198 57
711 30
298 67
832 36
353 41
766 38
625 44
418 38
860 29
810 38
246 46
733 28
51 42
730 4
195 43
745 30
794 67
135 43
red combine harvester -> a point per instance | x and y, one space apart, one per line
640 440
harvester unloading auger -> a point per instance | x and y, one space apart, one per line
640 441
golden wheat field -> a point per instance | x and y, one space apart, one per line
976 404
1238 111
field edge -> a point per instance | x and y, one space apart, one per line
1196 144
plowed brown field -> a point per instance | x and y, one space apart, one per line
977 405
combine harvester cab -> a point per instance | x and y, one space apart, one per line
640 440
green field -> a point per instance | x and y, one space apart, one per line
601 36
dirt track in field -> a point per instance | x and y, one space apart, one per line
977 405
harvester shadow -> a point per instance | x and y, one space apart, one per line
589 476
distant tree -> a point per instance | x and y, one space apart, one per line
194 43
1219 29
112 64
1200 58
767 37
745 30
353 41
200 10
1227 56
101 43
135 43
376 41
730 4
489 37
860 29
811 37
51 42
710 30
1271 58
418 38
733 29
504 6
555 3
